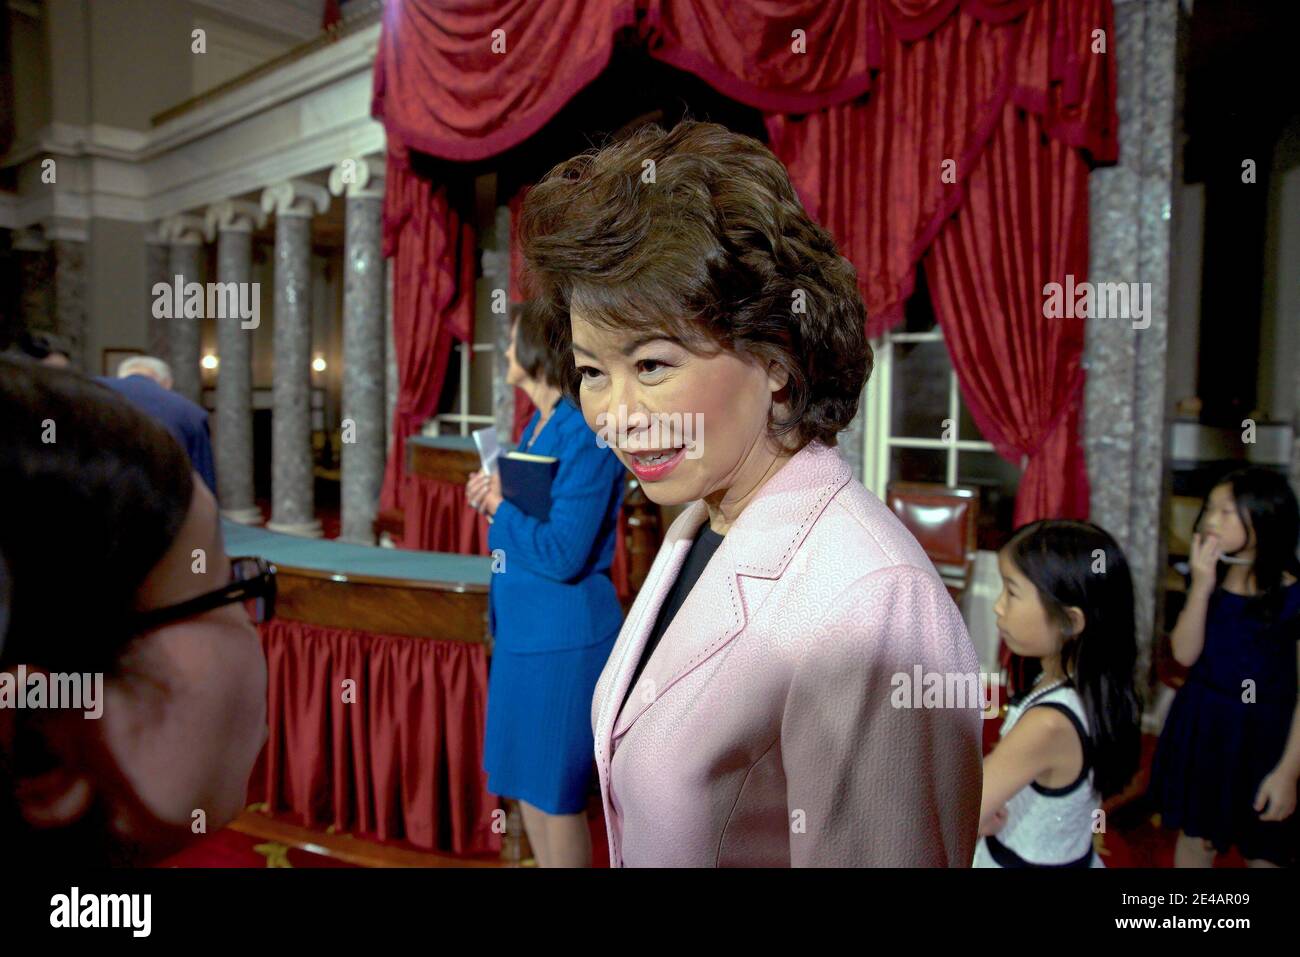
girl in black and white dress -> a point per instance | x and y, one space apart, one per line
1072 739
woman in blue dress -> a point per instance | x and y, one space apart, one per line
554 613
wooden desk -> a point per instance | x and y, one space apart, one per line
387 591
444 458
408 630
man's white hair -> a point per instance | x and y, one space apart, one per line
149 366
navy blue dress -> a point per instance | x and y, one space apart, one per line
554 616
1215 748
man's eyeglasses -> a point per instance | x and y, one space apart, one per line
252 582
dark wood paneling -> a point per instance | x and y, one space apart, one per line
417 609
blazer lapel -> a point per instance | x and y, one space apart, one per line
672 555
759 545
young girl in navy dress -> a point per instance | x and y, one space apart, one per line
1072 738
1225 769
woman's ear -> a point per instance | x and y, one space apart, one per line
1076 621
777 378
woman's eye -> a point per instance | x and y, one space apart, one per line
588 372
651 366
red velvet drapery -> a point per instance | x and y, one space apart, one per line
439 520
429 234
883 111
1021 375
403 761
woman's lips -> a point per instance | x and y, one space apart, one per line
654 473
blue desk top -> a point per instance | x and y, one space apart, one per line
346 559
461 443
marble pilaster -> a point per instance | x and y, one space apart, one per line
68 248
360 180
292 480
232 223
157 268
1130 204
35 282
184 236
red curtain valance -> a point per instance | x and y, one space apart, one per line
885 172
469 79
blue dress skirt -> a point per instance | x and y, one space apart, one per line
538 745
1215 748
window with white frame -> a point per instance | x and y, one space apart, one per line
466 414
918 428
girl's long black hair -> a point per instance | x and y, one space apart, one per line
1078 564
1266 504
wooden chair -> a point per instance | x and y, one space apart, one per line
943 519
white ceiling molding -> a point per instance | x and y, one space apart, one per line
300 120
297 18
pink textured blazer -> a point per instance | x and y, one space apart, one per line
762 732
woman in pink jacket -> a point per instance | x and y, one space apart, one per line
751 712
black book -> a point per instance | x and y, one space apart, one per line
526 482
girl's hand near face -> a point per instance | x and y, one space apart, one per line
1205 561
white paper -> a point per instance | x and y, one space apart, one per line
488 449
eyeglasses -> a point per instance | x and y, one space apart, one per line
252 582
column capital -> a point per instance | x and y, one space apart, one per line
232 215
295 197
358 176
182 229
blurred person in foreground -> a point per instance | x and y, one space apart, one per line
117 569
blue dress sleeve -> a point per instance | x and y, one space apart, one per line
559 548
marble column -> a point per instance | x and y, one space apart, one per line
293 497
231 224
1130 203
184 235
360 180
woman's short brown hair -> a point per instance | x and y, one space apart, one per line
697 234
534 351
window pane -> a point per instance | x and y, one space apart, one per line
920 379
918 465
997 481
